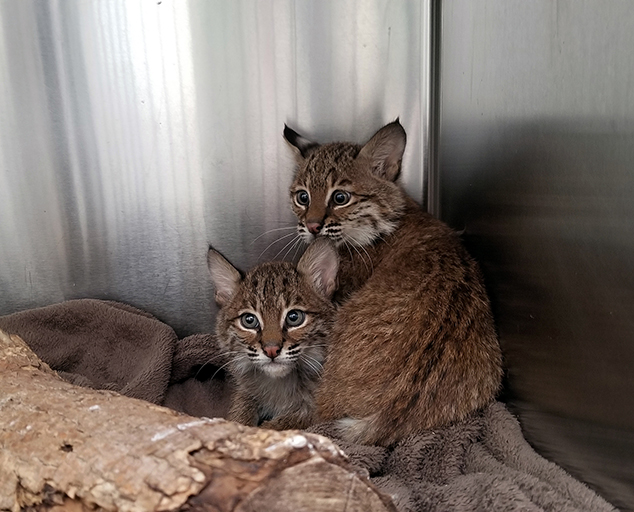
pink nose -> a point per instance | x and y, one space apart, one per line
313 227
272 350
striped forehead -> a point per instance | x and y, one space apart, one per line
272 286
327 165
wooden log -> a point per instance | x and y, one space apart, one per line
63 447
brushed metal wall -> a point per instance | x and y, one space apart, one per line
135 132
537 165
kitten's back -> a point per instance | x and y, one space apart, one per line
415 346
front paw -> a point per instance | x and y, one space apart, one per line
288 422
245 416
274 424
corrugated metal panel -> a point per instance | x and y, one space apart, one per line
135 132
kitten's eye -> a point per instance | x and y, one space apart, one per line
302 198
249 321
340 197
295 318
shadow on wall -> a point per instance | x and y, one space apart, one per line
549 214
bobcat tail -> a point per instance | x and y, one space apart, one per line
359 430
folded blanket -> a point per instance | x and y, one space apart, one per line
100 344
481 464
109 345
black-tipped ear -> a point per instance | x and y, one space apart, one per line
302 145
319 264
224 276
384 151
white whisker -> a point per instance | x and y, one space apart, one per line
289 243
210 361
317 363
379 236
354 245
274 242
368 255
348 247
216 372
295 245
310 364
297 248
271 231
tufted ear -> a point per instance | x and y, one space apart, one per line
319 264
224 276
301 145
384 151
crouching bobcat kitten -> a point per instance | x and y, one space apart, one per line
274 322
413 345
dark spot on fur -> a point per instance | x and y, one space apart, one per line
413 400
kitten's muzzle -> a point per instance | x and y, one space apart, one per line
272 350
314 227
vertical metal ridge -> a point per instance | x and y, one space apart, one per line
432 195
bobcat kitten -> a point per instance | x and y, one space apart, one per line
274 323
413 345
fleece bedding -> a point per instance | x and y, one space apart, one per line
480 464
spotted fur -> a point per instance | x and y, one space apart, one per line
276 365
413 344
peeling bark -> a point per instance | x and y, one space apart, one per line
69 448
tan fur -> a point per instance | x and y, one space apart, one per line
276 393
413 345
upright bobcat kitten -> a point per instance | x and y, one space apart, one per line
274 323
413 345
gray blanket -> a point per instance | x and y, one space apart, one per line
481 464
